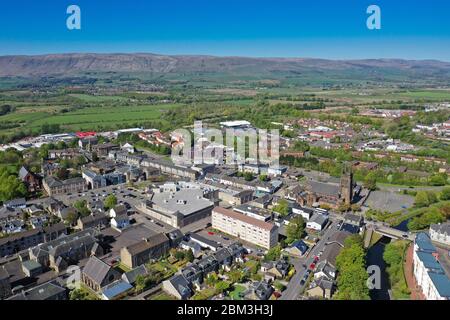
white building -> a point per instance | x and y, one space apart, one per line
429 274
248 229
317 222
440 233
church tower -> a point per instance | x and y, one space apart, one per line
347 184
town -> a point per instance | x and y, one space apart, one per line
111 212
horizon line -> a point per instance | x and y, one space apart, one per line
219 56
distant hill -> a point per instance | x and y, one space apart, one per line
69 64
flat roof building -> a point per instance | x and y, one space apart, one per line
180 206
248 229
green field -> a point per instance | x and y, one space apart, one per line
90 118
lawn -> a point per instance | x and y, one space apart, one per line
237 293
205 294
161 295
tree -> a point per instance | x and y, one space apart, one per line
110 202
10 186
81 206
273 254
222 286
282 207
352 278
425 198
445 194
190 255
263 177
62 174
72 218
295 229
370 181
438 179
179 255
211 279
248 176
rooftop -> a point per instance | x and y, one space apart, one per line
244 218
185 201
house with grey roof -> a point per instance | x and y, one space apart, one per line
440 233
317 222
208 264
59 253
224 258
297 249
96 220
192 273
5 285
204 242
19 203
132 275
97 274
178 287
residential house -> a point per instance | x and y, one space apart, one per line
317 222
5 285
179 287
440 233
119 217
297 249
98 220
204 242
224 258
132 275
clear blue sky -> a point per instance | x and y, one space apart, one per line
411 29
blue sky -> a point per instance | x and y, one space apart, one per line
411 29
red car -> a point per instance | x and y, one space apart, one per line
312 266
316 258
210 233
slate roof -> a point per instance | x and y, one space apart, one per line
442 228
318 218
131 275
324 188
15 202
181 285
148 243
96 269
222 255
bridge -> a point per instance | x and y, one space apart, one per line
392 233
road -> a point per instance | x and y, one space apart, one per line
294 287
